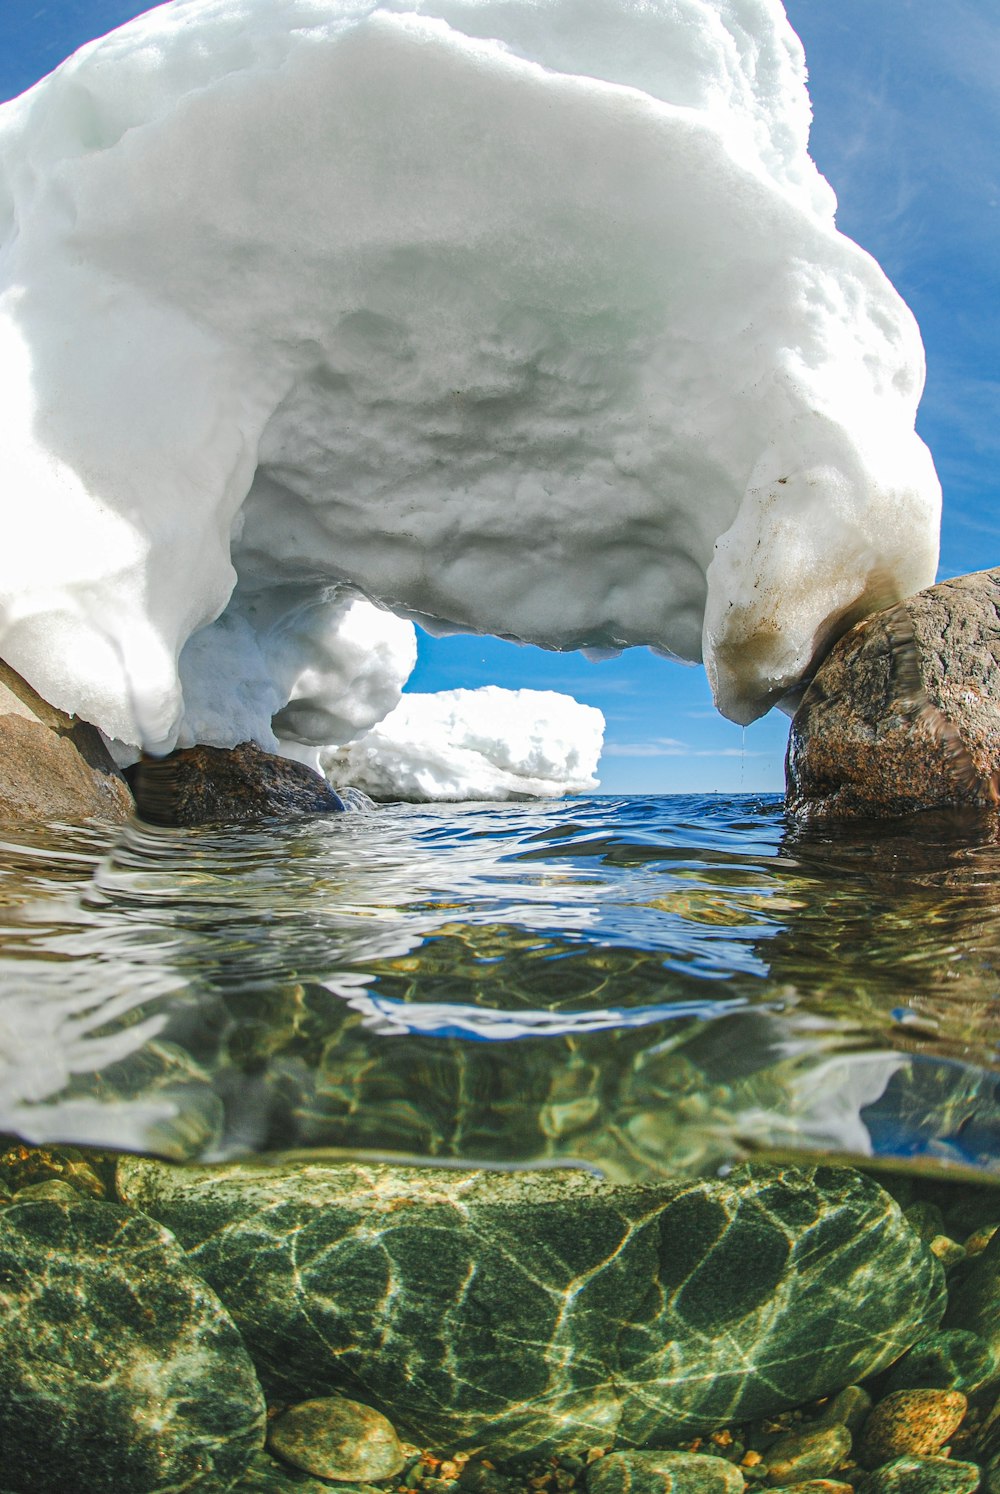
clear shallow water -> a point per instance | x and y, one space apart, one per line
642 985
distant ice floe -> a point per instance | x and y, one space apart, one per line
524 317
475 744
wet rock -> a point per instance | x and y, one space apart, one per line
848 1408
120 1371
337 1438
904 712
267 1476
483 1478
922 1476
663 1473
490 1308
819 1486
979 1239
990 1474
53 1188
807 1453
912 1423
953 1359
21 1166
217 785
926 1218
53 766
974 1303
947 1250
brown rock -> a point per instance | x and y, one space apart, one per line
904 712
53 766
910 1423
206 785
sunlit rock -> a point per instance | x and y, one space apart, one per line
119 1368
904 713
480 1307
663 1473
521 318
337 1438
52 766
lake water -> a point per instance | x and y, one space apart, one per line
643 986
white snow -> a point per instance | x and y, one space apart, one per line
474 744
517 316
358 660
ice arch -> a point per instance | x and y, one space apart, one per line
520 316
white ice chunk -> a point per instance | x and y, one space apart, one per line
475 744
519 316
323 669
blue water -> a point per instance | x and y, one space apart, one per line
640 986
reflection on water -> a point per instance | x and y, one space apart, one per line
642 985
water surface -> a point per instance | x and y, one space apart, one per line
639 985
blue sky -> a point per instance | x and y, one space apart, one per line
906 95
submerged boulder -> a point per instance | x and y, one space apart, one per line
120 1371
210 785
53 766
513 1308
904 713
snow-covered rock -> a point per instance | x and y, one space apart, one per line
517 316
475 744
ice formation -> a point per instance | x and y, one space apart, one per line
475 744
317 673
517 316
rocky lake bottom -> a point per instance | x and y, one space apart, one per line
605 1145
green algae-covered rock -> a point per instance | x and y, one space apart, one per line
527 1310
120 1371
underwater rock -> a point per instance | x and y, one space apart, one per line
922 1476
846 1409
53 766
910 1423
337 1438
227 785
21 1166
663 1473
904 712
120 1371
974 1302
474 1306
806 1453
979 1239
820 1486
953 1360
267 1476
